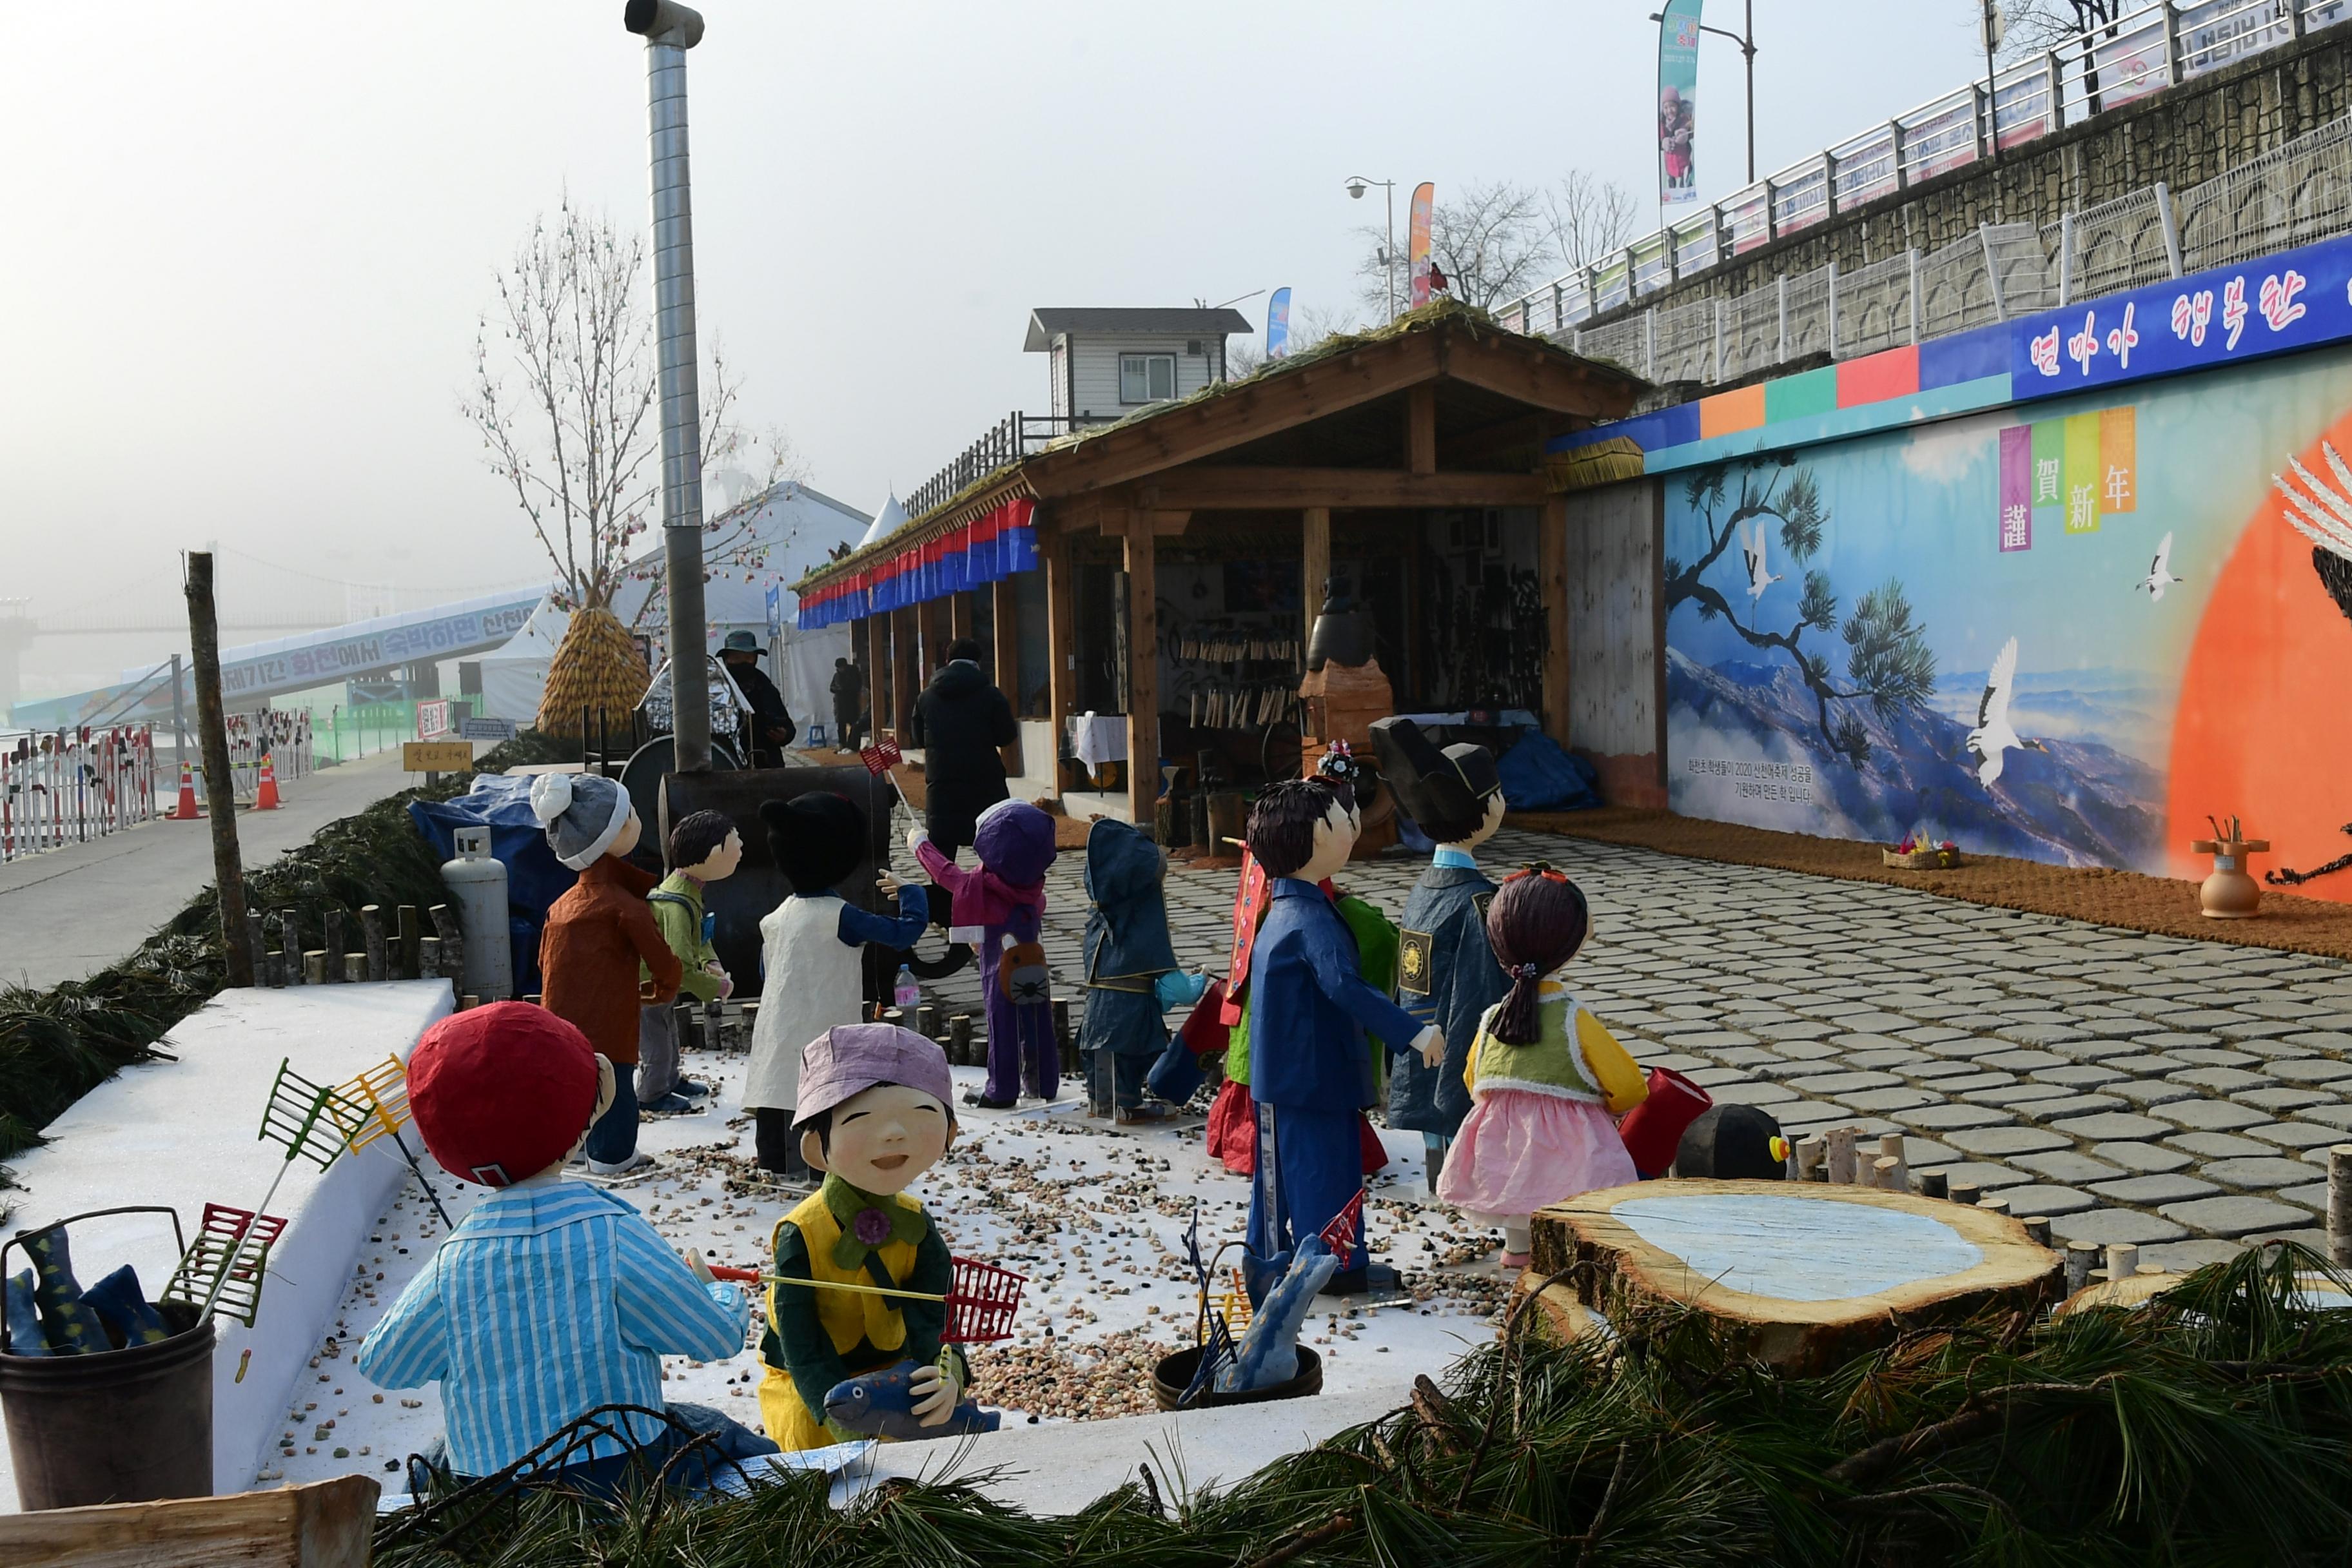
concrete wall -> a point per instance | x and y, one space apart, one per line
2182 136
1614 669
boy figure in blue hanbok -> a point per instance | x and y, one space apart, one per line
1132 977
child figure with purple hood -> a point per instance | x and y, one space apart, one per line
1006 898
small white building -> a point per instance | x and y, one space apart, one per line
1108 362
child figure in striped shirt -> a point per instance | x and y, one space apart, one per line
551 1298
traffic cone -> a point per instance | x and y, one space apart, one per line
266 793
185 811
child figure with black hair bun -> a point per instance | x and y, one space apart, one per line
1546 1079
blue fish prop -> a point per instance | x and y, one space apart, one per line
1269 1351
882 1404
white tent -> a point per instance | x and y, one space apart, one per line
515 674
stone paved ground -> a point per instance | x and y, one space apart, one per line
2177 1094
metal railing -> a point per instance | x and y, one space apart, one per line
2292 195
2146 51
67 786
1008 440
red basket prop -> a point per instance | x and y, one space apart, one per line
981 1302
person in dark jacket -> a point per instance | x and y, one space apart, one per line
772 725
959 721
848 705
1446 972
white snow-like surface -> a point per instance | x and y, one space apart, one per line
1798 1249
1094 1218
184 1133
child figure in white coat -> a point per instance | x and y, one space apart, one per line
810 959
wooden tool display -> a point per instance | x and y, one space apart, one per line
1809 1274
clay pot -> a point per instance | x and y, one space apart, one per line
2230 893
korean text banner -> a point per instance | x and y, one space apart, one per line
1277 323
1425 201
1677 99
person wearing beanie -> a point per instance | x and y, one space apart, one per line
876 1110
1006 899
551 1298
596 936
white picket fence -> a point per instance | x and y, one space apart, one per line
61 787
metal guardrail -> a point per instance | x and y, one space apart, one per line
2290 196
1008 440
2146 51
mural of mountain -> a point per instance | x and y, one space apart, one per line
1748 748
2119 708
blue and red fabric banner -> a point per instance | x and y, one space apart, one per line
988 548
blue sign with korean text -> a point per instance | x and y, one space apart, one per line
2291 299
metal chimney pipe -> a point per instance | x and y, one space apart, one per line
670 30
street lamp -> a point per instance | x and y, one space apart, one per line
1747 42
1357 186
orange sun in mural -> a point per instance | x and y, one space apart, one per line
2263 729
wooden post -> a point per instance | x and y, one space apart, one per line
1551 582
960 1040
959 614
2123 1260
1997 1204
1143 667
1062 647
334 943
2340 1206
314 967
220 788
428 957
2082 1256
934 616
1886 1175
1421 428
290 941
371 923
259 945
1811 1152
1965 1193
354 967
1841 1155
1932 1185
2037 1226
1005 622
1890 1147
453 947
904 680
1313 563
411 932
877 674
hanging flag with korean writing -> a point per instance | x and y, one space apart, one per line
1424 203
2017 488
1679 29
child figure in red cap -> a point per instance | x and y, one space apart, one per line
552 1297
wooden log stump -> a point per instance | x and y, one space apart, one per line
2340 1206
1807 1275
1841 1159
289 937
354 967
379 961
2315 1291
1555 1315
334 944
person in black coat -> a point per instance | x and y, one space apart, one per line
848 704
959 721
772 725
1446 972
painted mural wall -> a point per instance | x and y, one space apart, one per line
2066 631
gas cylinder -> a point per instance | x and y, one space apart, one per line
476 880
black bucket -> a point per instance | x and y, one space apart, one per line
1172 1376
127 1425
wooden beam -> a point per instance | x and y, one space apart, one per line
326 1524
1169 524
878 684
1248 413
960 612
934 614
1551 582
1143 667
1061 646
904 680
1542 380
1421 428
1004 613
1313 563
1280 490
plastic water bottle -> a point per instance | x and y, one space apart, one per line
906 994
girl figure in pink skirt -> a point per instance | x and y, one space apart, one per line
1546 1080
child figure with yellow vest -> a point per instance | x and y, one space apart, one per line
874 1113
1546 1079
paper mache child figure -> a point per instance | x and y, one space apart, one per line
704 847
1546 1079
1310 1068
551 1298
600 936
1132 976
1006 897
1446 972
813 959
876 1111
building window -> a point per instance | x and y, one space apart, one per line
1147 378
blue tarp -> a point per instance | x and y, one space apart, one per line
1537 775
535 878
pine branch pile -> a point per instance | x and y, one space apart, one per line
596 670
2208 1427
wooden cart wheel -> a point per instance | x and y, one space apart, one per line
1807 1274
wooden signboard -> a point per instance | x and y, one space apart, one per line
1809 1273
437 756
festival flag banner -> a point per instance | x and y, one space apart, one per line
2118 459
1678 28
1425 199
2048 474
2083 477
1277 323
2017 488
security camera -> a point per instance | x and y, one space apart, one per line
664 22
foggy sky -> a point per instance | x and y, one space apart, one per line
244 257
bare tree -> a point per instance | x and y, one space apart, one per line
1589 216
1309 329
2035 27
563 394
1491 242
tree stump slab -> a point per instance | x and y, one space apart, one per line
1808 1274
